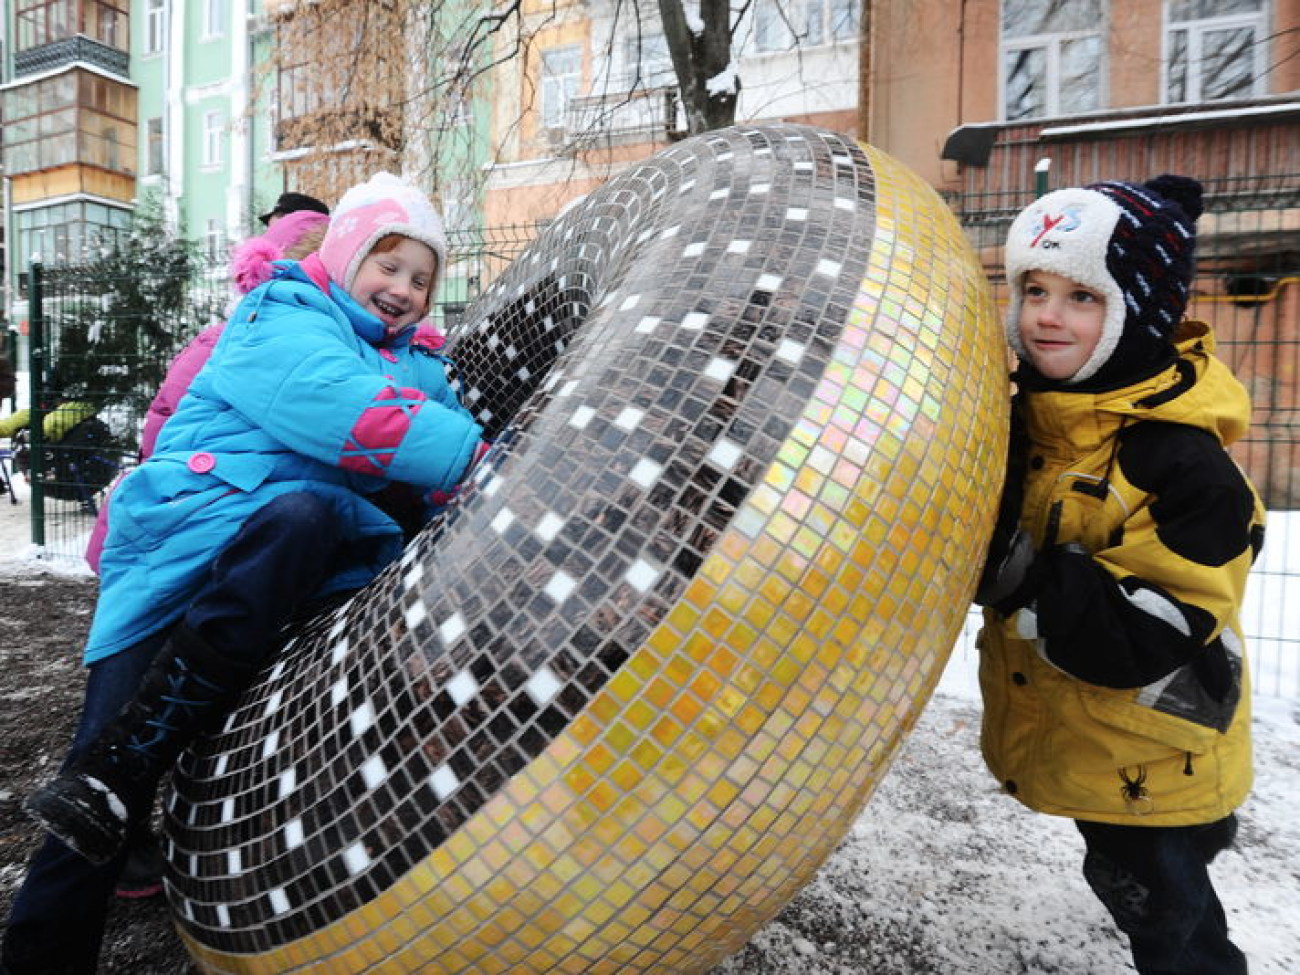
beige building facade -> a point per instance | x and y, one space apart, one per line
991 101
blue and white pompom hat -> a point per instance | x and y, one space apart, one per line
1133 245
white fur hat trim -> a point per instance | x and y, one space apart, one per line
1067 232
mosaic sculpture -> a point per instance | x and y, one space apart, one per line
613 710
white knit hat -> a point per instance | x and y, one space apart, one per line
1067 232
382 205
1134 244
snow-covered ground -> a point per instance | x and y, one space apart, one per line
942 874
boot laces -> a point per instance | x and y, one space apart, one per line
180 708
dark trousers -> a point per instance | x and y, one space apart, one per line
1155 882
276 561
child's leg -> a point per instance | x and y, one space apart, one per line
278 559
57 917
1155 882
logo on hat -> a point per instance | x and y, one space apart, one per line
1066 221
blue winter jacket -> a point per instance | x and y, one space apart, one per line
303 392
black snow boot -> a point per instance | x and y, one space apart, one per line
94 804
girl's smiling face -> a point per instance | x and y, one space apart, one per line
393 283
1060 323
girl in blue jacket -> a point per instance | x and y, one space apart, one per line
257 501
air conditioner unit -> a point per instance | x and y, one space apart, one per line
555 136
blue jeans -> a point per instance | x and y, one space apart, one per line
267 573
1155 882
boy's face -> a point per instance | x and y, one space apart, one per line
1060 323
394 285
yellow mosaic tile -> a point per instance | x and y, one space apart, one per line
701 744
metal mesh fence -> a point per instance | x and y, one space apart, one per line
1248 288
107 360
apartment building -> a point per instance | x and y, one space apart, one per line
994 101
593 89
108 103
69 134
192 62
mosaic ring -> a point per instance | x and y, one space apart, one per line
615 708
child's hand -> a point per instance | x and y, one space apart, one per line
440 498
1012 577
1003 585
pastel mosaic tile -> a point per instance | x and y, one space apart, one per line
618 706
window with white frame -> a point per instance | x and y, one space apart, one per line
1214 49
1052 52
647 63
214 133
214 18
155 26
214 240
561 77
458 206
780 25
154 147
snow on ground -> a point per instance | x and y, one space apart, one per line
942 874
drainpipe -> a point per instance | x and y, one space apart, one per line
865 69
174 114
239 193
9 257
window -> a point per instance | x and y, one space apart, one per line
561 76
1214 49
458 206
67 232
214 125
74 116
44 21
214 18
299 91
647 63
213 239
1051 57
40 22
105 21
780 25
111 147
155 26
155 148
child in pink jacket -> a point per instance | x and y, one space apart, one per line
291 237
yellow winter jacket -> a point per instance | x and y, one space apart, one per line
56 424
1120 695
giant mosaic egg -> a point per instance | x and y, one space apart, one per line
616 706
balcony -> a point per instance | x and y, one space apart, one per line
71 50
619 118
337 127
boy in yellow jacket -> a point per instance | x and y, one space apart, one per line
1112 664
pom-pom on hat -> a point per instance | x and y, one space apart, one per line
251 260
1132 244
382 205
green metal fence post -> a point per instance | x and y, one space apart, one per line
37 364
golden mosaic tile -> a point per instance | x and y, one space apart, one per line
655 659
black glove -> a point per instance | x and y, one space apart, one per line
1006 573
402 503
1014 574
